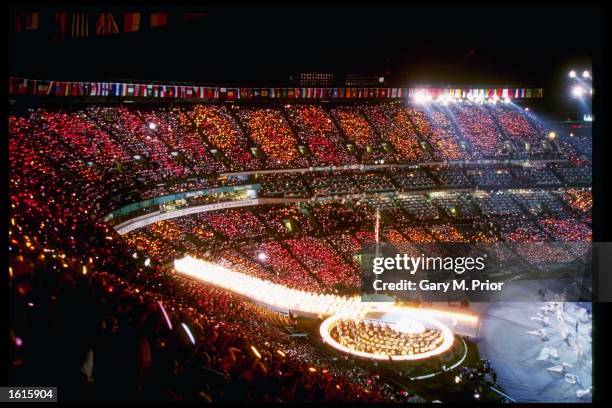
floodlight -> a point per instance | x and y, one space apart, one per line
419 97
577 91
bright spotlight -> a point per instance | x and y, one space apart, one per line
420 98
572 74
552 135
586 74
262 256
577 91
152 125
506 100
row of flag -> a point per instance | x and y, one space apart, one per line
484 93
21 86
77 24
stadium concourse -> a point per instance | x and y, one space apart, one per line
104 199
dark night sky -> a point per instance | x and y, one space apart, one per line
522 46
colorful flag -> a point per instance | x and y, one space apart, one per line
32 20
80 25
131 22
13 85
60 21
158 20
19 22
58 89
31 88
106 24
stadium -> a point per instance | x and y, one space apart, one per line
204 242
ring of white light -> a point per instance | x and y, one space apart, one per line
331 322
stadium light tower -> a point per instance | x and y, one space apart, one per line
581 91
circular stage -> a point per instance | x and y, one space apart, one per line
413 336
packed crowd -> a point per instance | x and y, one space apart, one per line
393 124
88 312
515 123
269 129
442 137
217 125
121 150
315 128
478 128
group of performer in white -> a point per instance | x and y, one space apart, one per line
553 316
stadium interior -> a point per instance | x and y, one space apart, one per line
105 197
